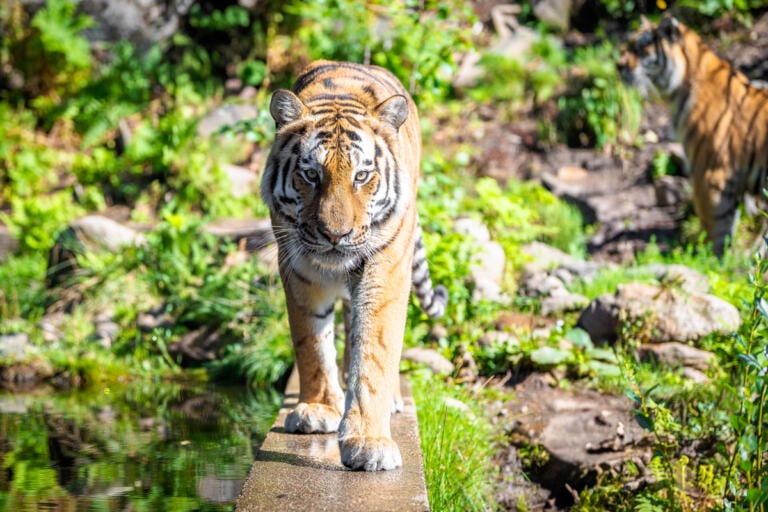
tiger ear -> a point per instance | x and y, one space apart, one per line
285 107
393 110
670 28
645 23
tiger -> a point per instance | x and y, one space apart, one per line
340 182
720 118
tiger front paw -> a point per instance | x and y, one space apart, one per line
370 453
313 418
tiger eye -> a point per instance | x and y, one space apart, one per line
361 175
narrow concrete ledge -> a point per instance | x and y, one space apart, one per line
303 472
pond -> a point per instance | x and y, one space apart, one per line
164 448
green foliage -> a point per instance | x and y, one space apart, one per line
599 111
21 287
48 55
535 213
664 165
456 440
414 40
717 8
747 485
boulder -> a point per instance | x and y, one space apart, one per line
676 354
582 433
97 233
8 244
669 313
430 358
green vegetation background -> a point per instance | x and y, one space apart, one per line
63 99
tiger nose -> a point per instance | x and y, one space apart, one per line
334 235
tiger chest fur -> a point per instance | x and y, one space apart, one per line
340 182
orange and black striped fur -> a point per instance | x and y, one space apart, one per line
719 116
340 182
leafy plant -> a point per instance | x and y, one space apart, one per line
414 40
746 476
599 111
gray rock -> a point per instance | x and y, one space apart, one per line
225 115
546 257
685 278
100 232
554 12
242 180
472 227
434 360
257 233
487 272
562 303
671 314
672 190
92 233
15 347
201 345
583 432
8 244
676 354
142 22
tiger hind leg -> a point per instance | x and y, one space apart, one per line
716 202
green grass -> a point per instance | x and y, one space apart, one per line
457 442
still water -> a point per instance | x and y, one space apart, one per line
164 448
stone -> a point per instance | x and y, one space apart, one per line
201 345
256 232
680 276
563 303
492 338
672 190
472 227
15 347
225 115
582 432
430 358
91 233
545 257
669 313
677 354
157 318
8 244
487 272
142 22
556 13
242 180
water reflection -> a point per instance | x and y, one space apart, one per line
164 448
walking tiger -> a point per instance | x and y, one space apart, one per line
340 182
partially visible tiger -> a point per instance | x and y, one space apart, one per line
340 182
719 116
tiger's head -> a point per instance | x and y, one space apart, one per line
653 58
332 180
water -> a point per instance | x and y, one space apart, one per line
164 448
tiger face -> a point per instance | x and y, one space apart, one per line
652 60
338 191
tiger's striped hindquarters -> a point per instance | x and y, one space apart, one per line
340 182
